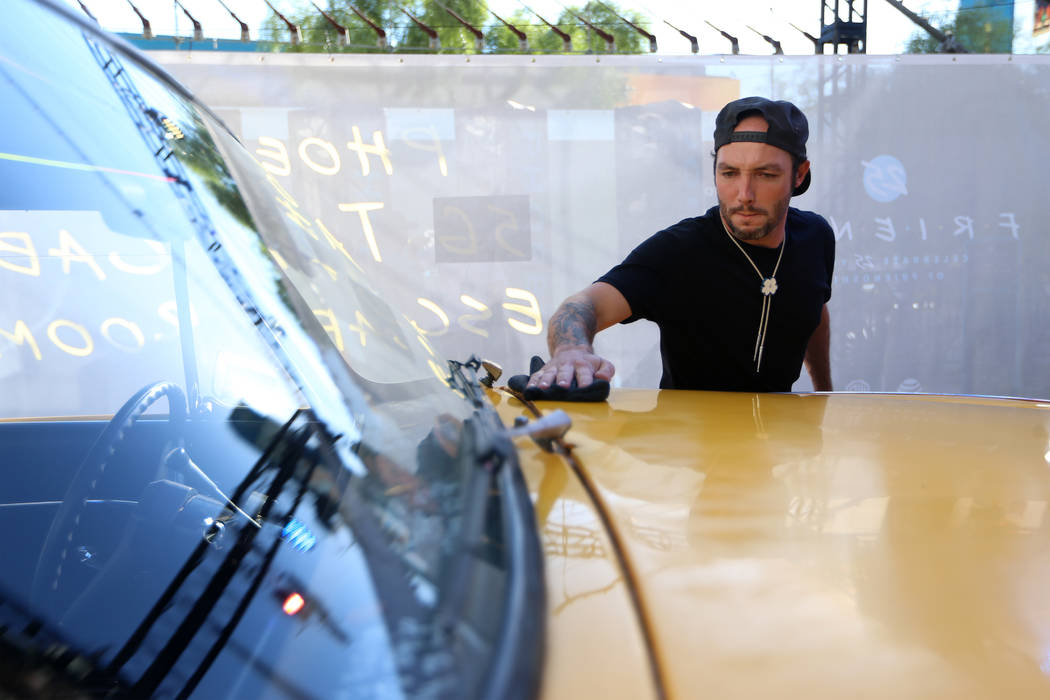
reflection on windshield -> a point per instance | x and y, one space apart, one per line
238 472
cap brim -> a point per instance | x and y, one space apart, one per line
805 184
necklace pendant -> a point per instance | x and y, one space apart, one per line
769 287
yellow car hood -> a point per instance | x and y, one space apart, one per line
825 545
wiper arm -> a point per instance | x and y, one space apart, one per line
544 430
464 378
498 531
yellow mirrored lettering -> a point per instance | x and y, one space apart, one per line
327 148
440 373
10 252
432 145
331 325
83 350
460 244
465 320
21 335
362 209
426 345
437 311
509 223
291 207
378 148
71 251
299 220
336 243
362 324
327 268
421 336
131 327
158 249
282 194
530 310
278 153
278 258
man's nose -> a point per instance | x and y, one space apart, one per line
746 191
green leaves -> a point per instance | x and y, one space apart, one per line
978 30
404 35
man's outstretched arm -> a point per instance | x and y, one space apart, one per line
818 355
570 337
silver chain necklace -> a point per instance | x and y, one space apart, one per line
769 288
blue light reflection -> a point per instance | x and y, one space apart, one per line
297 534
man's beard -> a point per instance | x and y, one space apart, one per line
772 219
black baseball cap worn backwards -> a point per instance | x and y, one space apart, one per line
788 128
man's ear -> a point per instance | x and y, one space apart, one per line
803 168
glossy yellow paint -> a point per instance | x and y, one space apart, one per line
594 647
829 546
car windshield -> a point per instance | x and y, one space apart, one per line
230 468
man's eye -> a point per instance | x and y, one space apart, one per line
768 176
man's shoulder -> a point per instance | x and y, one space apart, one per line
800 221
688 228
678 245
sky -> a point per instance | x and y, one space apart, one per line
888 28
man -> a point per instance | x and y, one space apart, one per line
740 293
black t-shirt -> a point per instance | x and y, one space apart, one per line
707 300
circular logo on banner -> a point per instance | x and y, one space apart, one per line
884 178
858 385
910 386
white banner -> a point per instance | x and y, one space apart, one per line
479 191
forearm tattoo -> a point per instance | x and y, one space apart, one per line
574 323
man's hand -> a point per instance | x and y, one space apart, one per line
577 362
571 331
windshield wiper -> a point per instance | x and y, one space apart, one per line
179 643
293 438
499 534
464 378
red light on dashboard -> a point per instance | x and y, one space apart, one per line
293 604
